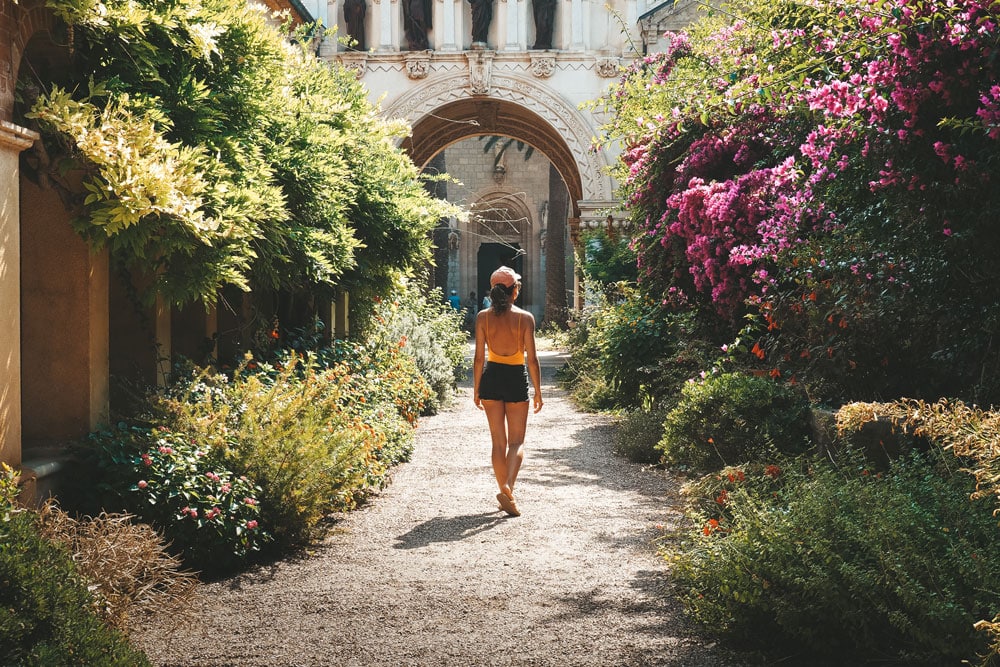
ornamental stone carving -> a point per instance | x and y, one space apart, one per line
356 63
543 66
417 67
607 67
480 71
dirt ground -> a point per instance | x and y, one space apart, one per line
430 572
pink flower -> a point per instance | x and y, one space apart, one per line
249 501
251 524
147 460
142 484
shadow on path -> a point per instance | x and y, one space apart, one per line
447 529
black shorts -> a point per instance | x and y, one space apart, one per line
504 382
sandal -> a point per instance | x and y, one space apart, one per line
507 504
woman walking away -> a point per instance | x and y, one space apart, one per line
500 380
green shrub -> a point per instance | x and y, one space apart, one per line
638 434
892 567
46 617
733 418
430 331
631 350
209 514
283 426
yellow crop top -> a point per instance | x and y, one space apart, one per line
515 359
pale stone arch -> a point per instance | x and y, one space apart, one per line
446 110
514 213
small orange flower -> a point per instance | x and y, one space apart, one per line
757 350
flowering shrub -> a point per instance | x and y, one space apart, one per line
284 426
207 513
894 567
734 418
830 167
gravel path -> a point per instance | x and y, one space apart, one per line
431 573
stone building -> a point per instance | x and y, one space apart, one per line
456 90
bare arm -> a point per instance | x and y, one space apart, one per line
480 357
534 370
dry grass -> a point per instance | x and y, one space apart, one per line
128 569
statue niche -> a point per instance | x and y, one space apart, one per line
354 16
417 20
482 16
544 12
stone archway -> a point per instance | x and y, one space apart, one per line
447 110
454 107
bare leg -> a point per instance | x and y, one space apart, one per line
517 422
495 415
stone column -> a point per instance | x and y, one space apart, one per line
523 16
499 25
576 26
385 20
13 140
512 41
446 39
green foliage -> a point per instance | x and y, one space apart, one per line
630 350
968 432
215 151
166 478
426 328
734 418
222 464
608 258
836 561
638 435
284 427
46 617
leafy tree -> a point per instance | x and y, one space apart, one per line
214 150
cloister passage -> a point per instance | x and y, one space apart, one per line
518 177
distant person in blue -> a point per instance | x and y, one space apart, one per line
455 302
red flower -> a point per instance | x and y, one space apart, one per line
772 471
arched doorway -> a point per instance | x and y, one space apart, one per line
489 257
524 194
